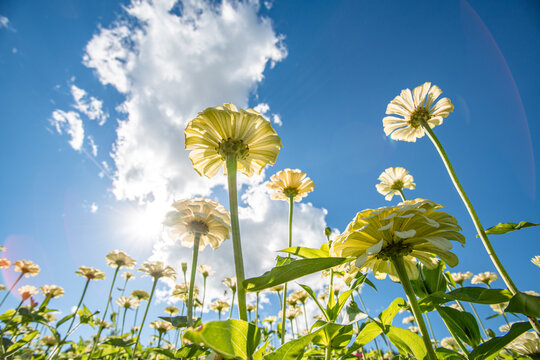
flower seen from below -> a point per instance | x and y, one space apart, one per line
26 267
414 110
52 291
484 278
140 295
161 326
450 343
414 229
224 130
27 291
205 270
230 282
219 306
90 273
171 310
181 291
198 216
460 277
392 182
408 320
128 302
527 344
127 275
536 260
290 183
4 263
118 258
157 270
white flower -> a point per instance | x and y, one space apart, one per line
393 180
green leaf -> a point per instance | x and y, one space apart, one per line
525 304
480 295
503 228
281 260
118 341
178 321
64 319
293 349
306 253
387 316
429 280
407 342
447 354
369 332
333 313
462 324
230 338
258 355
314 297
491 348
334 335
21 342
189 351
353 314
292 271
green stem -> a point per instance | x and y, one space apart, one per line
235 227
305 315
11 289
232 306
431 329
123 321
159 339
101 325
135 317
257 310
279 297
292 327
284 302
196 243
328 353
144 317
458 341
397 261
204 295
401 194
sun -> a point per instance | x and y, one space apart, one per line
143 223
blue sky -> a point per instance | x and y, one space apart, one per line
327 70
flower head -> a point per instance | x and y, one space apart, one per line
199 216
277 288
536 260
4 263
140 295
484 278
205 270
224 130
161 326
300 295
48 341
414 229
270 319
450 343
219 305
181 291
414 329
128 302
460 277
157 270
26 267
408 320
27 291
127 275
290 183
415 109
291 313
393 180
526 344
230 282
90 273
172 310
251 307
118 258
52 291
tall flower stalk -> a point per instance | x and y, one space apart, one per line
196 243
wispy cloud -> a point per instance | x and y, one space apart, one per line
88 105
70 123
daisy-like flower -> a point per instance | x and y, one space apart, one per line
50 317
4 263
251 307
140 295
415 109
118 258
392 182
199 216
408 320
48 341
102 323
460 277
205 270
128 302
181 291
450 343
26 267
27 291
219 306
127 275
323 296
171 310
414 329
499 308
224 130
484 278
414 229
277 288
527 344
270 319
290 184
90 273
536 260
291 313
230 282
300 295
161 326
157 270
52 291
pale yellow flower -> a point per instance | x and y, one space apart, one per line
270 319
90 273
118 258
157 270
499 308
2 287
102 323
205 270
26 267
140 295
450 343
4 263
27 291
128 302
52 291
536 260
181 291
230 282
300 295
277 288
323 296
221 130
408 320
290 183
415 109
291 313
161 326
413 229
484 278
527 344
172 310
48 341
251 307
460 277
127 275
393 180
219 306
414 329
198 216
50 317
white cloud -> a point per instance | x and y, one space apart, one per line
262 108
94 208
69 122
4 22
93 146
276 119
88 105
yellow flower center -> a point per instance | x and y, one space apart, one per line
290 192
198 226
397 185
420 116
394 250
233 146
